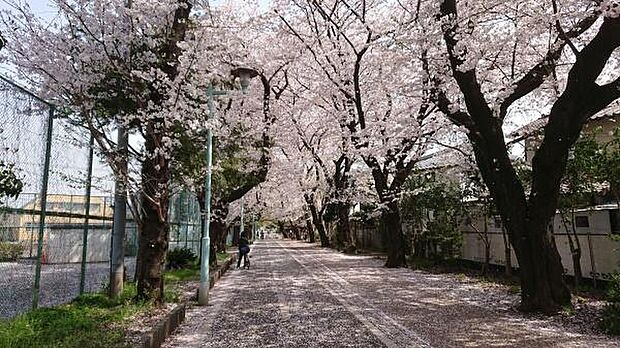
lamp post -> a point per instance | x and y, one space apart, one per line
241 228
244 75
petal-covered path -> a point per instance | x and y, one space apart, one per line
299 295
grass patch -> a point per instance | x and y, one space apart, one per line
421 263
221 257
89 321
182 274
611 319
191 272
568 310
514 289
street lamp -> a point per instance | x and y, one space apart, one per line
244 74
242 227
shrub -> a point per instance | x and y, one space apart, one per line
10 251
434 205
611 316
180 258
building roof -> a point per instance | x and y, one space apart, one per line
443 158
530 129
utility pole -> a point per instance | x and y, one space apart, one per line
117 265
245 74
44 184
89 180
242 227
117 262
203 290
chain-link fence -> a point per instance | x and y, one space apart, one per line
185 226
54 234
57 207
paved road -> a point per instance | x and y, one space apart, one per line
299 295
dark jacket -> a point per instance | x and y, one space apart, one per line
244 245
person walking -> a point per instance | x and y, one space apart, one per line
244 250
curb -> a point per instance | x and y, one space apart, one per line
156 337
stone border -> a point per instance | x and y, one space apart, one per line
156 337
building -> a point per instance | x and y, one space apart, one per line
601 126
64 227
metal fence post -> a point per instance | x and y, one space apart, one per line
32 227
89 179
177 211
44 183
185 218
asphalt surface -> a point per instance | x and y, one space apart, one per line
300 295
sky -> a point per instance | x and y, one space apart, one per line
39 7
44 9
73 160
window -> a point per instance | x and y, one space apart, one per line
582 221
78 208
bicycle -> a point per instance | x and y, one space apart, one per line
246 261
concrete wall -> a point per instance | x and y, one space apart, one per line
65 245
367 237
605 251
595 238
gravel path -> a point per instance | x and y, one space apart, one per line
60 283
299 295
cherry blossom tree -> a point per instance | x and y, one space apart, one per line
324 148
104 63
378 96
492 60
244 120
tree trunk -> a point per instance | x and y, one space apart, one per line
575 252
487 247
542 284
393 236
487 258
217 229
317 221
311 236
217 234
153 246
155 173
418 247
507 254
282 230
573 245
541 272
576 256
153 242
201 204
343 228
